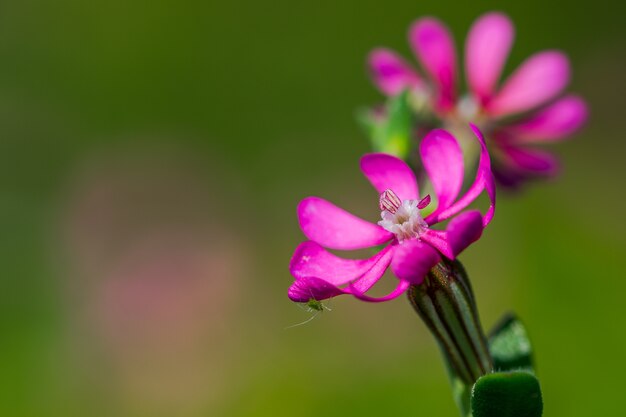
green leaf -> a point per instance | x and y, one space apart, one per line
507 394
509 345
389 130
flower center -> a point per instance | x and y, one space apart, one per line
468 109
402 218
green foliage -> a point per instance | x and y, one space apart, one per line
389 129
507 394
509 345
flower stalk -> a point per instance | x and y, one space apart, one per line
445 302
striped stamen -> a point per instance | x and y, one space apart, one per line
389 201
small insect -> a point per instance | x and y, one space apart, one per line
311 306
315 305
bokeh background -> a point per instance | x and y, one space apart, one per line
152 154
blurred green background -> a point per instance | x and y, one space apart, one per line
153 153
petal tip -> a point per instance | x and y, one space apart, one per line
536 81
426 23
307 288
496 16
386 171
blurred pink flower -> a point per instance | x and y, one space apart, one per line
531 95
153 263
414 247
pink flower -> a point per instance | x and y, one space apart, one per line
413 246
531 95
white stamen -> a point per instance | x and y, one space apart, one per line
405 223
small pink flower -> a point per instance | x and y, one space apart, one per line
532 91
414 247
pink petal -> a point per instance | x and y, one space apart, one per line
443 159
463 230
388 172
486 49
539 79
433 45
335 228
438 240
311 260
530 161
553 123
517 165
391 73
329 271
413 259
304 289
484 181
371 277
398 291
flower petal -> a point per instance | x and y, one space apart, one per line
433 45
438 240
304 289
484 181
486 49
539 79
371 277
532 162
413 259
329 271
335 228
312 260
553 123
443 160
388 172
391 73
463 230
398 291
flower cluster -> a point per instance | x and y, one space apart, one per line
526 110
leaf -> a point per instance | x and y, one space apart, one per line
507 394
389 128
509 345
